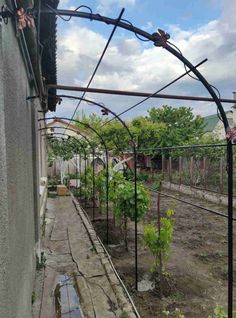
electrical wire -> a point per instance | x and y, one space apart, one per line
137 36
185 67
195 78
70 17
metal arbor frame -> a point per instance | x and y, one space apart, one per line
60 136
92 147
160 39
107 111
106 153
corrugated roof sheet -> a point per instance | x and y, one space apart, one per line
48 30
211 121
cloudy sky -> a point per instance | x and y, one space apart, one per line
200 28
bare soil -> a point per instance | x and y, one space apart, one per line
196 272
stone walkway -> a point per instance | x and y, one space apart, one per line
78 278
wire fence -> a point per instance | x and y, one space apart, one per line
202 167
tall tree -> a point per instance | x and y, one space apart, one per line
182 125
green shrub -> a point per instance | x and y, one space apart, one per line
159 244
123 199
220 313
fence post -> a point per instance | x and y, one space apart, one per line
191 171
170 169
163 165
204 172
180 169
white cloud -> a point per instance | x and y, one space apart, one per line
129 65
105 6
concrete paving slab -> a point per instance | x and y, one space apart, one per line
58 247
72 250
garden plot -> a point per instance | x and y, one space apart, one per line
195 275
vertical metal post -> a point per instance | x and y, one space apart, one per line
85 177
180 170
80 190
163 165
93 184
204 171
76 173
191 171
170 169
107 195
159 233
221 175
230 228
136 216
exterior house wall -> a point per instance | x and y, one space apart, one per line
19 179
219 130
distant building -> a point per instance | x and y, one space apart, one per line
215 126
61 126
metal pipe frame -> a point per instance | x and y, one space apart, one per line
108 110
106 153
160 39
93 152
77 140
137 94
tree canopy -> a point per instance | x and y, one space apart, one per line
162 127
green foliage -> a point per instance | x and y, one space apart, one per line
33 297
165 126
211 153
115 136
92 120
122 196
219 312
52 181
116 178
65 149
40 263
124 201
124 315
147 133
100 184
159 244
182 124
87 187
177 313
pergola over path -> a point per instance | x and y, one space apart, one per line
160 39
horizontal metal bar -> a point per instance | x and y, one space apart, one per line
192 204
184 147
137 94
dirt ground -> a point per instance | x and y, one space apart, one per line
197 268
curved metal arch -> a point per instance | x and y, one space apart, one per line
107 168
108 110
70 129
62 134
82 146
160 39
93 148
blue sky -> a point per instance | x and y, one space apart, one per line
201 29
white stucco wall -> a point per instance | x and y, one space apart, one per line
19 180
